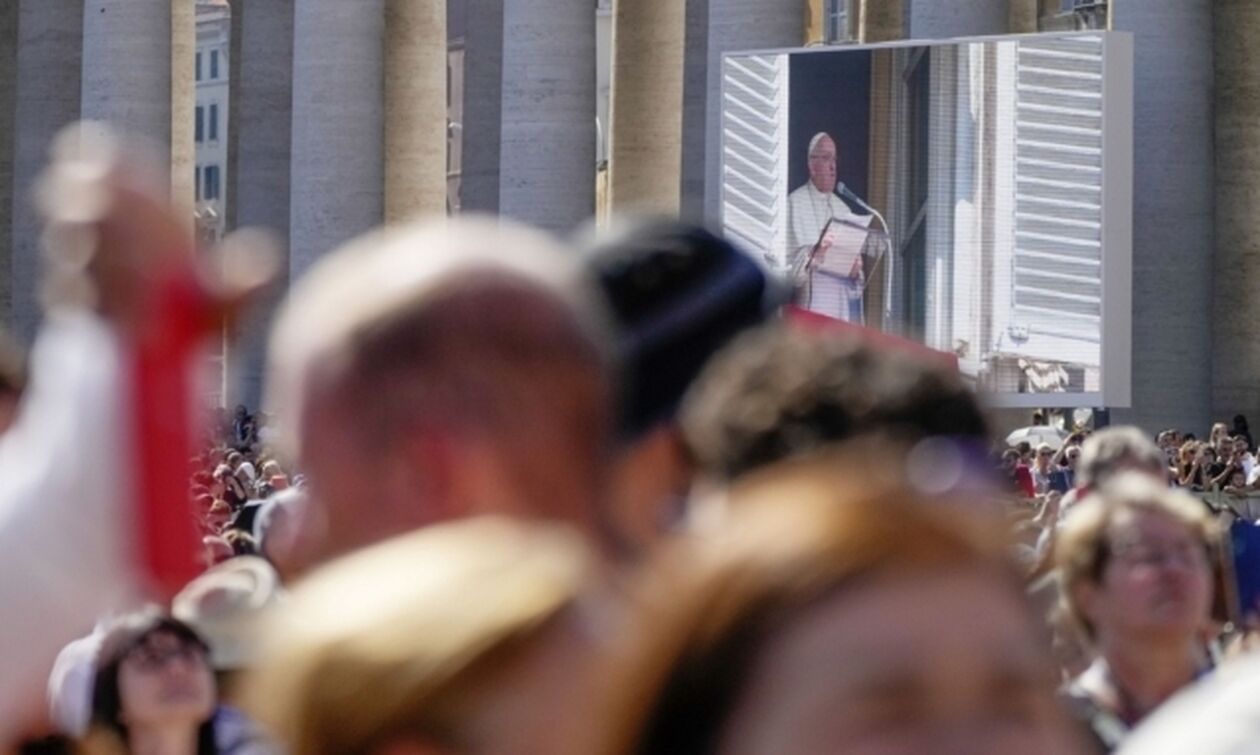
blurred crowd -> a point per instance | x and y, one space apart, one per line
605 495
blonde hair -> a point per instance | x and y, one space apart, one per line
1083 548
397 639
798 531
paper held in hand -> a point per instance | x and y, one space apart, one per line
840 246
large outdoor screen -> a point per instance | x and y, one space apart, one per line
973 195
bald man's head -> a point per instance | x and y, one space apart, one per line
442 371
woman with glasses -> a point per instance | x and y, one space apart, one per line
1137 566
154 688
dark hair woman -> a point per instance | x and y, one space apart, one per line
154 687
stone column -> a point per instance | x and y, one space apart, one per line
647 90
234 93
127 67
483 106
415 108
942 19
183 104
1236 307
262 126
740 25
694 110
547 159
338 166
1022 16
49 67
8 95
882 20
1174 221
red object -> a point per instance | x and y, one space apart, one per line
1023 478
166 424
877 338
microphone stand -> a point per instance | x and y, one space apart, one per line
848 194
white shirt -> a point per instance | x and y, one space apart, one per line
808 212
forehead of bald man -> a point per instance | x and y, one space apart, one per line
371 284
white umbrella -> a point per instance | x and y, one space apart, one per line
1035 435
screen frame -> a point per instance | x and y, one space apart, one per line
1116 274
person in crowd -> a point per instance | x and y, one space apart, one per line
1104 455
228 486
1219 430
244 428
469 382
489 645
227 606
1063 479
1115 450
1244 459
12 379
1137 568
783 391
1192 472
677 294
1018 473
830 615
1042 469
810 207
154 689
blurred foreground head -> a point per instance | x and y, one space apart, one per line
442 370
827 616
784 391
677 294
466 637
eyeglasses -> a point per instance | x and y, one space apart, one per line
1188 554
151 658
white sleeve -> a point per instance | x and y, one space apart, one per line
64 521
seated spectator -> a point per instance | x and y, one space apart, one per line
474 637
829 616
1137 567
154 691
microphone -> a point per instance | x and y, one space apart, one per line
847 193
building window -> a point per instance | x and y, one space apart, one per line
837 28
198 66
214 122
212 182
199 122
197 182
214 65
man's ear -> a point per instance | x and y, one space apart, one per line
411 746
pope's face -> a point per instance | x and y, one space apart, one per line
822 165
